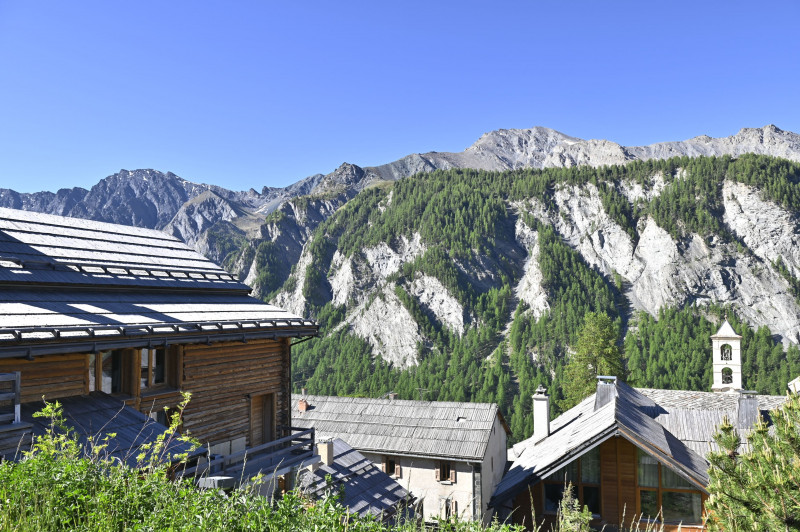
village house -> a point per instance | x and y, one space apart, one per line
116 322
637 453
449 456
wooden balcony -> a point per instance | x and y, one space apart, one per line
271 460
15 436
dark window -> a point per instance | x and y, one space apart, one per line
584 475
391 466
153 371
108 372
444 471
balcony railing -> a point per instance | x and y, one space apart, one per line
14 434
274 458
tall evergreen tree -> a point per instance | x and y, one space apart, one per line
596 354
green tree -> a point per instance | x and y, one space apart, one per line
596 354
758 489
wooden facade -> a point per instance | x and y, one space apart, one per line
103 312
619 497
229 383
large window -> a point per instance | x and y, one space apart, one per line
662 489
116 371
584 474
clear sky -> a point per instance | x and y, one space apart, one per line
251 93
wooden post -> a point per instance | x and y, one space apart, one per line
17 389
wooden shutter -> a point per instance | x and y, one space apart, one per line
383 464
453 473
397 470
453 509
438 472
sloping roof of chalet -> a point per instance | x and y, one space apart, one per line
458 431
69 279
99 415
615 410
366 489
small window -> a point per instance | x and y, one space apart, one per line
109 372
446 472
153 371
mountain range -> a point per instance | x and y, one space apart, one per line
411 262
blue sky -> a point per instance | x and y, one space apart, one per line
247 94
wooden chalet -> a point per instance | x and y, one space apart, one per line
633 456
448 455
106 314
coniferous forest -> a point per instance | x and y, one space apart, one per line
466 219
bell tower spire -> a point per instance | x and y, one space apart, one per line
727 359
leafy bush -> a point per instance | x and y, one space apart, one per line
62 485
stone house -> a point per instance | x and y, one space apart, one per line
448 455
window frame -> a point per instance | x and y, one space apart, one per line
129 379
660 490
577 485
446 466
152 386
386 466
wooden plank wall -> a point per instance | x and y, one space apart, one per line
626 471
609 486
221 378
54 376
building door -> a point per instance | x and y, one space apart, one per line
262 418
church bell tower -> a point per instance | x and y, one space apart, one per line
727 361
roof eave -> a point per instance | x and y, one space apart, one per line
60 347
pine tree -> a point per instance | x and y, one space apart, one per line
596 354
758 489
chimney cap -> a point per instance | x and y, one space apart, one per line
541 390
607 379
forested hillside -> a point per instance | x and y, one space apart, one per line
472 285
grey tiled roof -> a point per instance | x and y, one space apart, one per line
100 415
67 279
41 249
366 490
421 428
693 417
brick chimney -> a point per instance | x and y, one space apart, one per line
541 414
302 405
